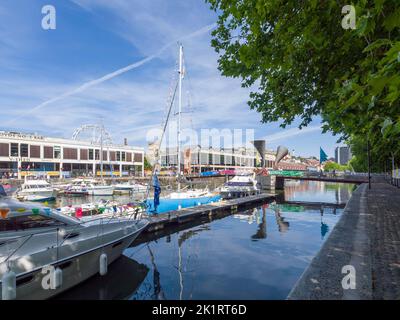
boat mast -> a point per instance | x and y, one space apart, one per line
101 151
179 113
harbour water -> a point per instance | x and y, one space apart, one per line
255 254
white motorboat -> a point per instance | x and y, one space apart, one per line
96 188
239 186
103 208
189 194
78 187
43 252
90 187
36 190
130 187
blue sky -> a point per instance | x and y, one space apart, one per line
49 78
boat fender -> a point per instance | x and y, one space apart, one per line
179 207
103 264
9 286
57 278
198 203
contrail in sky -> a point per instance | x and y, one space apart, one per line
114 74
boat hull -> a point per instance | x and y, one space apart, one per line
237 194
101 191
38 196
74 270
169 204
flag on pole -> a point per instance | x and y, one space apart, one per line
157 191
322 155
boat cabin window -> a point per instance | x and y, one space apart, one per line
28 222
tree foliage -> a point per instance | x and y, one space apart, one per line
330 166
300 62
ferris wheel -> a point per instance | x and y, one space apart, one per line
93 133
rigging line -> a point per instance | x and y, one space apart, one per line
135 252
162 136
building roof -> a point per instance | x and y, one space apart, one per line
43 139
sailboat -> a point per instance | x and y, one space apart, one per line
181 198
94 187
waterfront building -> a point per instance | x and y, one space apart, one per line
342 155
197 159
22 154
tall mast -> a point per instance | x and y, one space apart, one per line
101 151
179 113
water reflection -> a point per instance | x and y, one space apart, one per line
255 254
262 227
158 293
123 278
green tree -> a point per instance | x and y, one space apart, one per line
147 165
299 62
330 166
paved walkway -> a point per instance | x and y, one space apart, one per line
367 237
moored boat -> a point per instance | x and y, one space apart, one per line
36 190
239 186
43 252
130 187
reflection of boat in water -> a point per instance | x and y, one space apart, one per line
262 227
248 216
183 237
124 277
34 238
283 225
158 293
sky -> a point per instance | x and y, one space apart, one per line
115 62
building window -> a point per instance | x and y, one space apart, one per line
105 156
35 151
123 157
4 149
70 154
97 154
118 156
14 150
48 152
24 150
90 154
84 154
138 157
57 152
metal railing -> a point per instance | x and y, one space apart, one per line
116 217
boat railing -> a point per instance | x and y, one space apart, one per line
26 237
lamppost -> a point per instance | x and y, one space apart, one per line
369 163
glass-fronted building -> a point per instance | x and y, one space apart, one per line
22 154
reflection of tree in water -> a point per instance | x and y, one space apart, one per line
262 227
